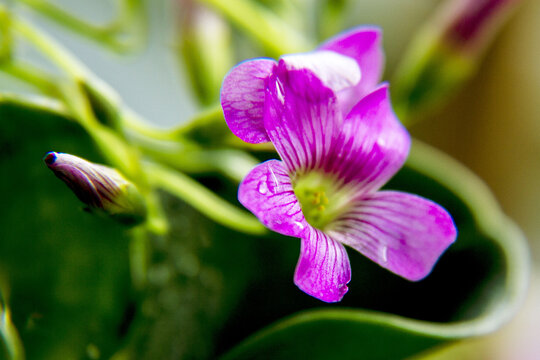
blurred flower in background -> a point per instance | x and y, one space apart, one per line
492 126
446 52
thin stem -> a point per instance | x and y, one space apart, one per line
139 257
212 119
157 220
212 115
51 48
107 34
6 39
59 56
9 334
139 127
234 164
203 199
276 36
36 103
31 75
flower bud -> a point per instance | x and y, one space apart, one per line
471 24
205 48
100 187
446 52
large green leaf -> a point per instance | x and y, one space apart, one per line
475 288
66 271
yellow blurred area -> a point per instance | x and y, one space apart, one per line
493 127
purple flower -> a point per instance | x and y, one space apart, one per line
351 64
335 159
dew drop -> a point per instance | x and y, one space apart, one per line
263 188
384 253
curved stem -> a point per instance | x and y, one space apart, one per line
31 75
276 36
108 34
51 49
234 164
203 199
9 334
141 128
208 117
36 104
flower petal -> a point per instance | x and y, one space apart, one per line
242 99
373 144
364 45
403 233
323 269
335 71
267 192
301 118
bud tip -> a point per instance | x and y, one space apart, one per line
50 158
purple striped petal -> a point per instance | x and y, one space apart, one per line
301 118
242 99
267 192
364 45
334 70
373 144
403 233
323 269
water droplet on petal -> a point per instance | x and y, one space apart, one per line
384 253
263 188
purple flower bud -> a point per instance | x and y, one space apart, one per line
100 187
446 53
470 24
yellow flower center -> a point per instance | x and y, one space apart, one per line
321 198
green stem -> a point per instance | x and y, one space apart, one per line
139 127
276 36
199 129
234 164
139 257
31 75
115 149
210 116
107 34
203 199
6 40
51 49
35 103
9 334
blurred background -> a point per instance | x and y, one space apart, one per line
492 125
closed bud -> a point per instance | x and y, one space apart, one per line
101 188
446 53
205 48
469 25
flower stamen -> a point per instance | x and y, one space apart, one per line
322 201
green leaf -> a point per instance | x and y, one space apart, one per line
66 271
475 288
